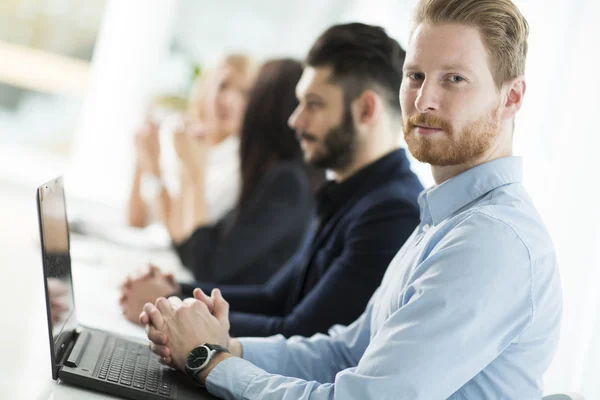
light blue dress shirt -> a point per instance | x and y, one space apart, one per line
468 309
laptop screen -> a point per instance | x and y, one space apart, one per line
54 238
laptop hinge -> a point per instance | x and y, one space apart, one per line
77 349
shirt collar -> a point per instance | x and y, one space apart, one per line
444 200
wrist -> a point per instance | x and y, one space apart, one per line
235 347
218 358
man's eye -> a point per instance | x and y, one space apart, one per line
456 79
416 76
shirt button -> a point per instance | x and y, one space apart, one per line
425 227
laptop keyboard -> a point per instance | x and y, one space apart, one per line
132 364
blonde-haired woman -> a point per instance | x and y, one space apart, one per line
205 193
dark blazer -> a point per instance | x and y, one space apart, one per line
248 246
331 279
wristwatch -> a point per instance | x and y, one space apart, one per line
200 357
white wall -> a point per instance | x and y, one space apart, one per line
132 44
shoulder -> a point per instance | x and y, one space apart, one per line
287 169
486 241
286 181
286 174
393 197
509 212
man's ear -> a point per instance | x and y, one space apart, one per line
366 107
513 100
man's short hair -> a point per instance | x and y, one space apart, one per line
361 57
503 30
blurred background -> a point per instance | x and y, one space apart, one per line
76 78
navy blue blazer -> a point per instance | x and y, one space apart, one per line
330 280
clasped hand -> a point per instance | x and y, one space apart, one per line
175 327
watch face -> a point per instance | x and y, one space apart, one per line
197 357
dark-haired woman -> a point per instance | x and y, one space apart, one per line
273 210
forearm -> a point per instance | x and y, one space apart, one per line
192 200
169 212
136 213
199 215
235 378
265 376
255 325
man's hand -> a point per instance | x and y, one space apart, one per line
175 327
146 288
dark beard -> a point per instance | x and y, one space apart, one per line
338 147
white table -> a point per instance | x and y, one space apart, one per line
98 268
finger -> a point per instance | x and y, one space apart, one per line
189 300
144 318
170 278
156 336
154 316
200 295
175 302
160 350
221 311
127 283
166 361
153 270
141 273
164 306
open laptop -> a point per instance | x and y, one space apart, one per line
86 357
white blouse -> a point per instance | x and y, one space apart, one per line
222 171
